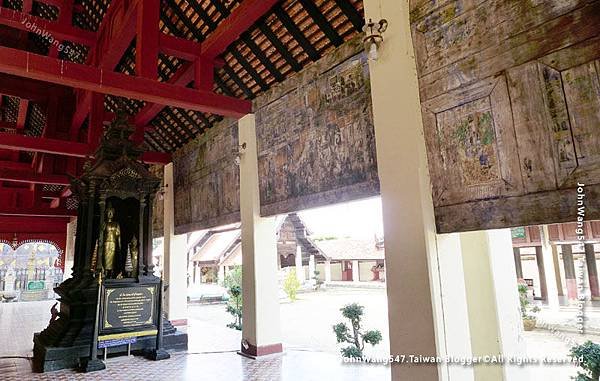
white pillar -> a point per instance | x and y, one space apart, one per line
312 267
328 271
454 304
549 269
261 332
221 276
174 258
355 271
409 225
298 262
70 248
493 302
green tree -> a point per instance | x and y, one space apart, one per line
291 285
354 335
233 284
589 354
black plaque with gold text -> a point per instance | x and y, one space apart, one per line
129 309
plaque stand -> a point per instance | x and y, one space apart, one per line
93 364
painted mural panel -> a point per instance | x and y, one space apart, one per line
316 142
207 180
510 95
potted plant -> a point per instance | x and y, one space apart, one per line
527 313
588 356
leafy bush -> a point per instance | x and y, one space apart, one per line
291 285
318 282
526 311
356 338
233 283
234 307
589 353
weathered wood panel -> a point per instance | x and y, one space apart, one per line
206 180
316 141
510 94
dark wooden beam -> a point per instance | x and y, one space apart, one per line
239 21
352 14
262 57
289 24
280 47
315 13
249 69
238 81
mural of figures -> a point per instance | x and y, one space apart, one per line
316 143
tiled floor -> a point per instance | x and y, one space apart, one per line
19 320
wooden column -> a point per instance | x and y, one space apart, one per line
542 273
518 266
590 258
571 280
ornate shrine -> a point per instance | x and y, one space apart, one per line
113 293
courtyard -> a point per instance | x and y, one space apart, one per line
310 348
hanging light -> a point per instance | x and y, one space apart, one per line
374 37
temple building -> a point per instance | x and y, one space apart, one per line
214 253
148 145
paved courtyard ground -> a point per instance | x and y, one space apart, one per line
306 325
311 350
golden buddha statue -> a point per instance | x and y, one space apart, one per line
133 248
112 241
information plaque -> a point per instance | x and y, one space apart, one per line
129 309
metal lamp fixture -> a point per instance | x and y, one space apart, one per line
374 36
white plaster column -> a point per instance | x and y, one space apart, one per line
455 314
327 271
298 262
221 275
493 302
312 267
261 333
409 225
70 248
355 271
549 269
174 257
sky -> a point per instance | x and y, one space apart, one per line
356 219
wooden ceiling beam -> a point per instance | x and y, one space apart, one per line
30 177
351 13
38 212
29 23
289 24
315 13
62 147
14 165
239 21
248 68
23 224
29 65
262 57
280 47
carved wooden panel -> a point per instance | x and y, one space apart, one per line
207 180
316 142
510 94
